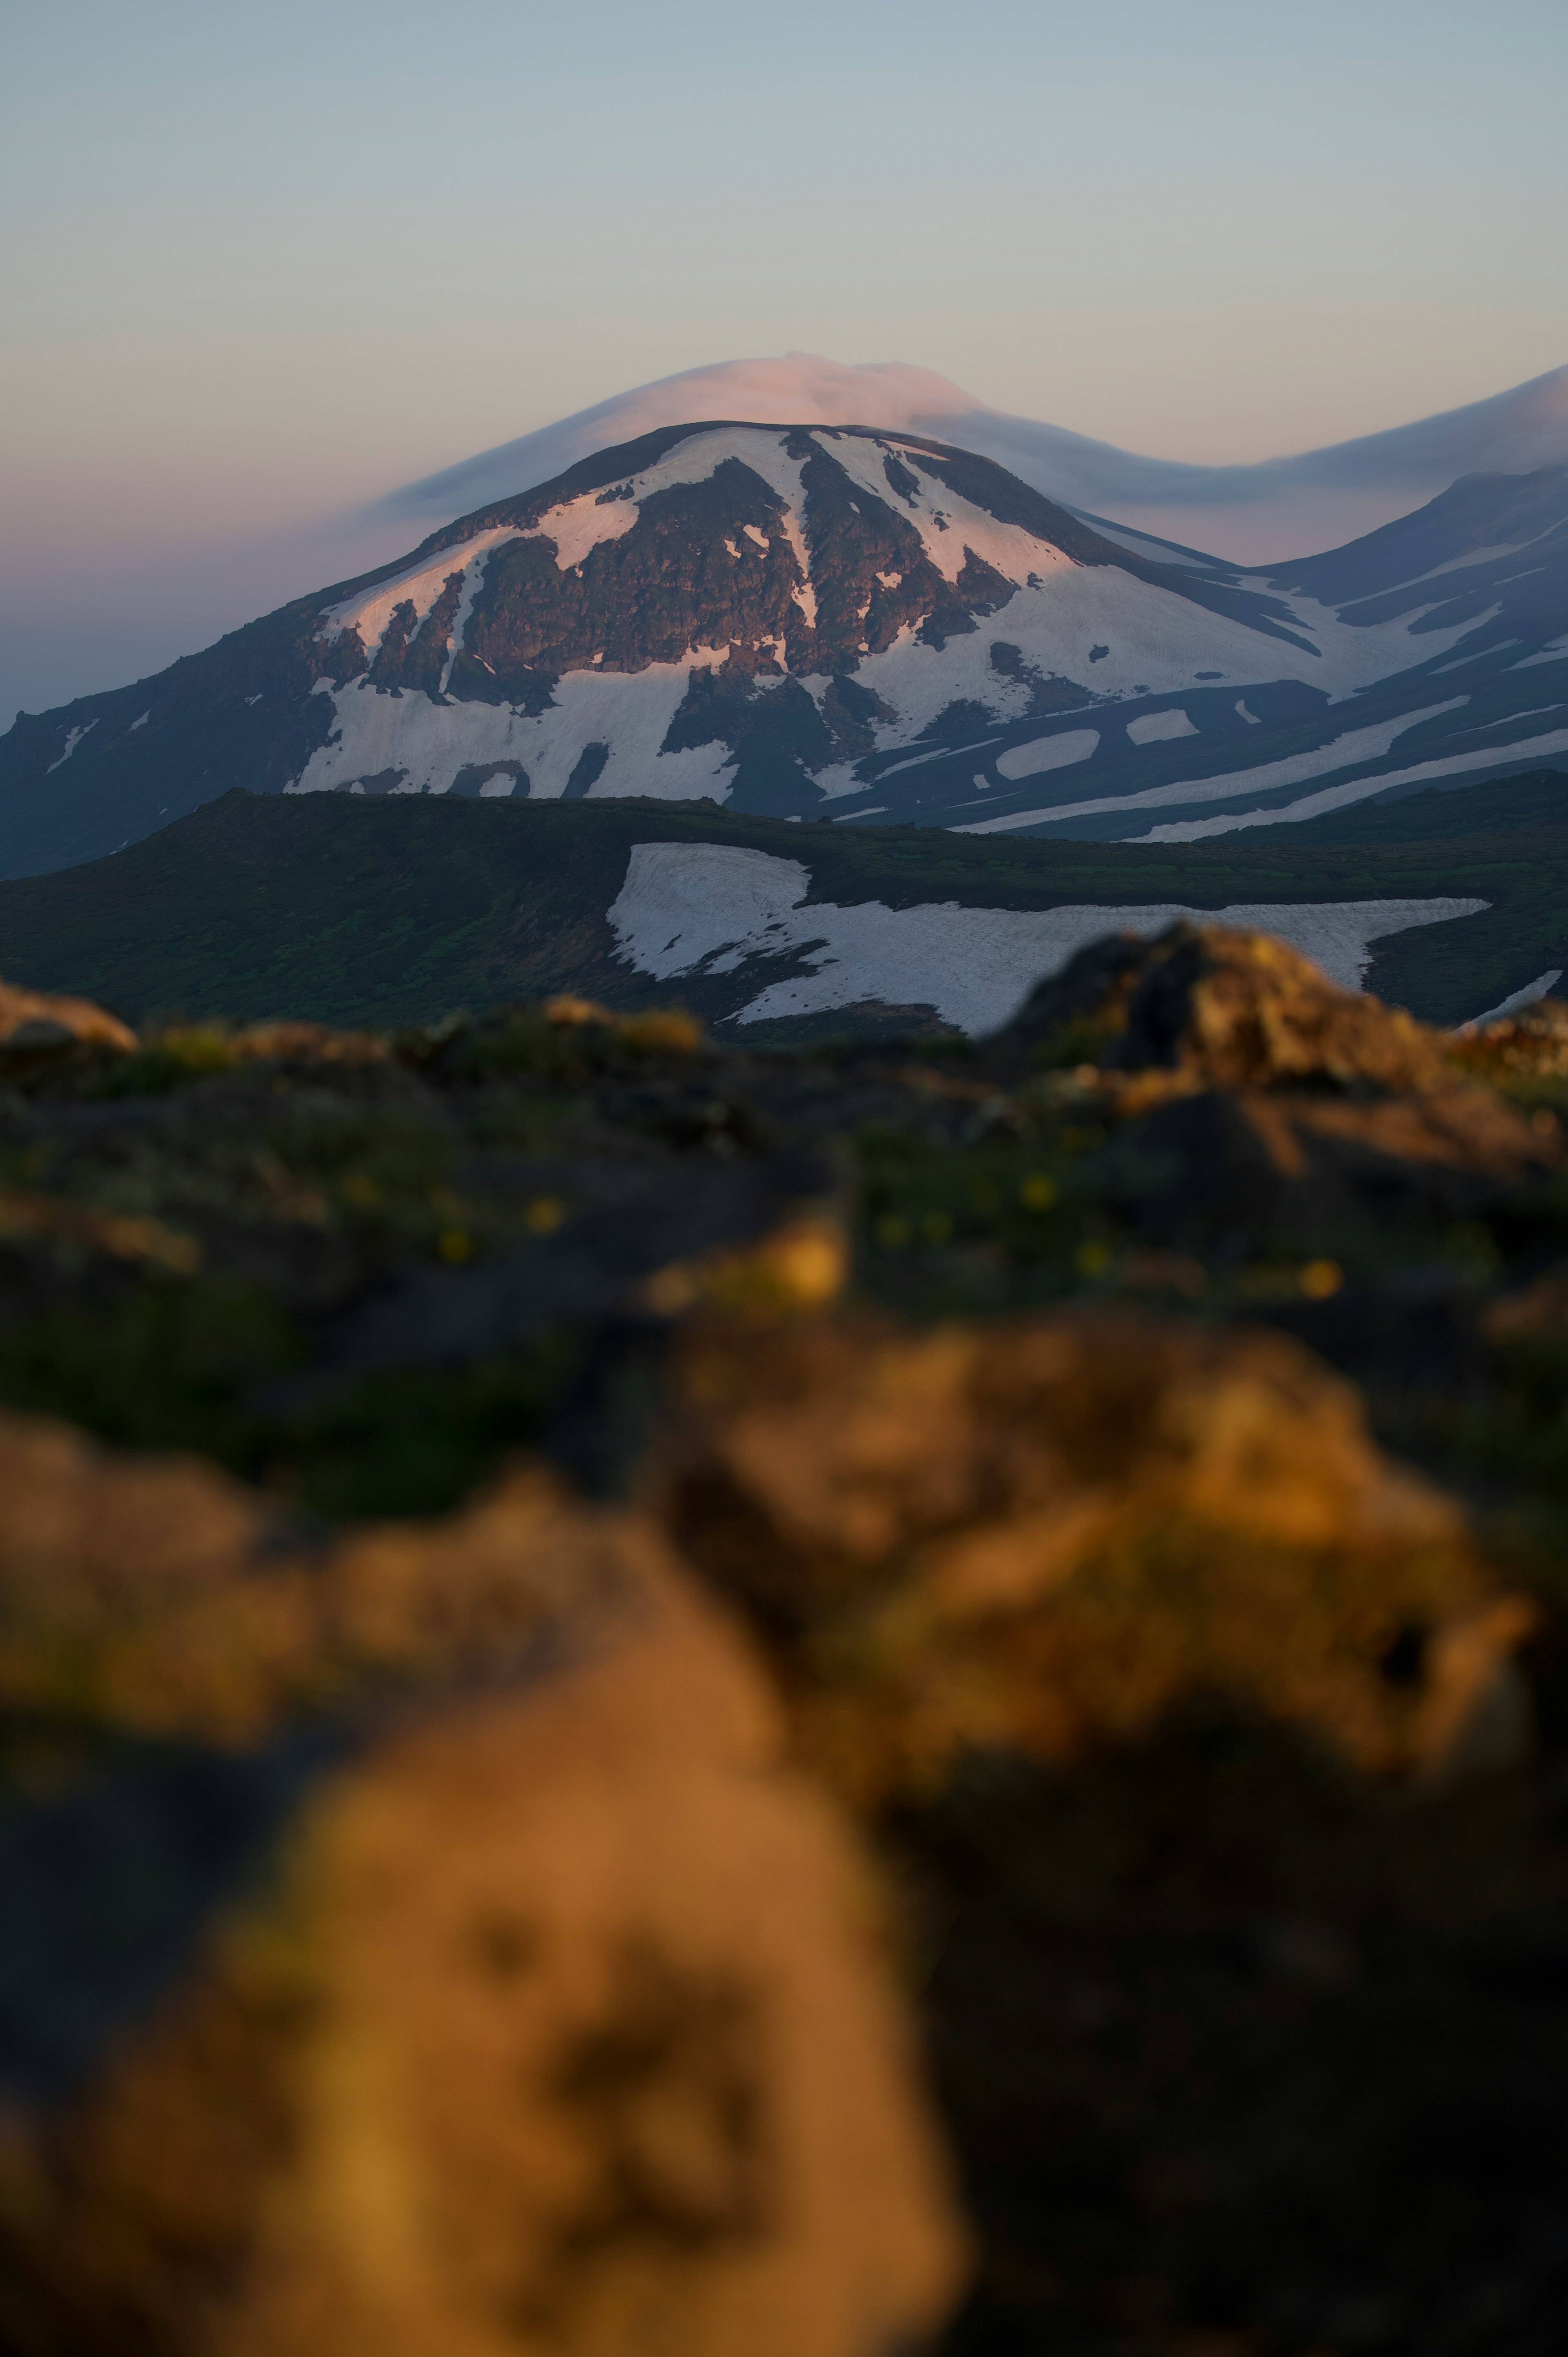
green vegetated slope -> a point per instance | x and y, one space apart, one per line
382 911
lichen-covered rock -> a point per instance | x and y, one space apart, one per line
1222 1008
423 1942
1047 1535
1255 1098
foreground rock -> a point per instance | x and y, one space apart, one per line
1224 1008
1045 1536
1227 1828
421 1944
1258 1097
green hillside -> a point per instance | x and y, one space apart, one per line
376 911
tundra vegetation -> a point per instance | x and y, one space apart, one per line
895 1692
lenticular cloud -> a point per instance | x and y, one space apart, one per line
1251 512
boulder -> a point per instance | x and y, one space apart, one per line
422 1941
1223 1009
1046 1535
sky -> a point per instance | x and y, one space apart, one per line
262 265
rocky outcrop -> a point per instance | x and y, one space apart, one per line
1219 1008
1253 1096
1045 1537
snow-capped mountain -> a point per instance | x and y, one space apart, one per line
839 621
67 626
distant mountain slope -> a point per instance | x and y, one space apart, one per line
400 909
799 621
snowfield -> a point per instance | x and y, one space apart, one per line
713 907
427 744
73 739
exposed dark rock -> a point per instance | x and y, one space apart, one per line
586 771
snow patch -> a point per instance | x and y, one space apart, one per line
1517 1000
1499 647
1511 719
73 739
1353 655
965 529
1553 651
1251 718
1043 753
1462 564
693 461
1156 727
709 908
1156 641
141 723
933 753
369 611
577 526
431 742
473 579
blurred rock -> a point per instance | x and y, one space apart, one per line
485 1981
1533 1045
1254 1096
31 1018
1047 1535
1226 1009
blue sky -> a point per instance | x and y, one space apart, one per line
262 263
